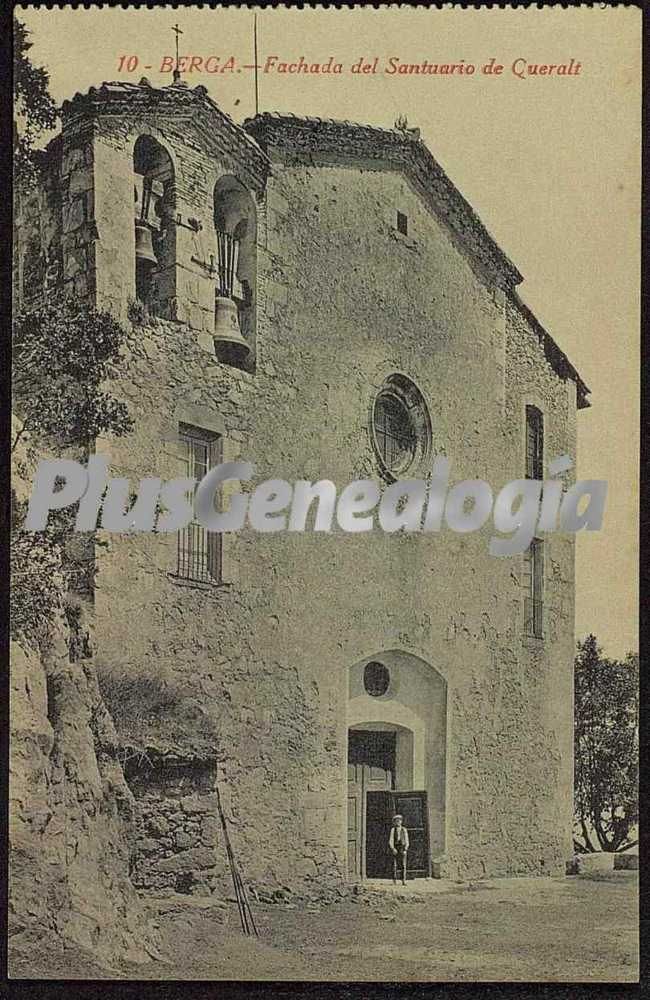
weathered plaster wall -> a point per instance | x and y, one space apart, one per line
343 301
56 232
530 380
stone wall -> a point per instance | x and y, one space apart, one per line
180 842
531 380
55 224
345 300
38 251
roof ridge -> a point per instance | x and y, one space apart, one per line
181 91
279 115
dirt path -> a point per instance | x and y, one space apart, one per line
573 929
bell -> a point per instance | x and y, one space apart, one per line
226 328
143 244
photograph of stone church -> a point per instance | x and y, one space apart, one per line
317 297
321 301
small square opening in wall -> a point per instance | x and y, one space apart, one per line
402 224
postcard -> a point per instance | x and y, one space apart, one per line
324 659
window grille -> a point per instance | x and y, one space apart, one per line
395 431
534 599
199 554
534 443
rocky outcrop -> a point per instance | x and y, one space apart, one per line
71 814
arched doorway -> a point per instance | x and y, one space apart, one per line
397 730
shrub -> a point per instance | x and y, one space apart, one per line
148 702
64 351
138 312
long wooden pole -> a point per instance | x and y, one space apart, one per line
245 912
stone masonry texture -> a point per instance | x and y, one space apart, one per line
261 662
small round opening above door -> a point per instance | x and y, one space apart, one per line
376 679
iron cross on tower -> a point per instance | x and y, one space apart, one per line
177 74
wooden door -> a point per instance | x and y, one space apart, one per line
355 818
371 768
381 806
414 809
379 812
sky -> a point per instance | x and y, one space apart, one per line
550 163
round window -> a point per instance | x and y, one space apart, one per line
401 428
376 679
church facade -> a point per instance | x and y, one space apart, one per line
315 297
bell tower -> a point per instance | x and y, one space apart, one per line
161 197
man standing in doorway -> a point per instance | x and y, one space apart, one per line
399 845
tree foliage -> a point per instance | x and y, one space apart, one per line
38 578
606 748
64 350
35 110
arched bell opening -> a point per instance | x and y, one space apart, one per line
155 232
235 222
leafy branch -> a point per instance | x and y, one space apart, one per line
35 109
64 352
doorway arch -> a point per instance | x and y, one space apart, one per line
397 743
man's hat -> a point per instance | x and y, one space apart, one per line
397 816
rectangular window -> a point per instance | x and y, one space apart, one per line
402 224
199 550
534 443
534 589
